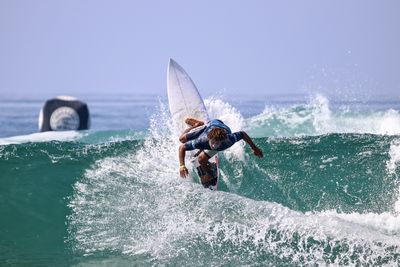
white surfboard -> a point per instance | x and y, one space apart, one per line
185 101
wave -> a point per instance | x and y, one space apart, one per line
313 199
280 209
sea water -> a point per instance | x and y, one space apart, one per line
325 193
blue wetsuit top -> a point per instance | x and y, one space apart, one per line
198 139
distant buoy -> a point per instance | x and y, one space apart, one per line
64 113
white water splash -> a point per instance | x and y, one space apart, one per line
321 115
317 117
394 157
391 166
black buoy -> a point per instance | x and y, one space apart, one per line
64 113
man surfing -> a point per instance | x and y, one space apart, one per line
209 138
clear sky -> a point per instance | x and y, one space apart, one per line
251 47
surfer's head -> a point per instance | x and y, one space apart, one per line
216 136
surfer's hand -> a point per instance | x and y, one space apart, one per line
258 152
183 171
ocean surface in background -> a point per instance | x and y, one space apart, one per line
326 192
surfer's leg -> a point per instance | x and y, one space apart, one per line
193 122
203 160
205 164
191 133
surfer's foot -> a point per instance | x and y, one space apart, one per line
193 122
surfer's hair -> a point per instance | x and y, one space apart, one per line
217 134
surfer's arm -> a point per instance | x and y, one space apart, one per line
183 171
250 142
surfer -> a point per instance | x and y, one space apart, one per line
209 138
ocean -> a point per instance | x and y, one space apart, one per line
326 192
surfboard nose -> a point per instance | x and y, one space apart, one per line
172 62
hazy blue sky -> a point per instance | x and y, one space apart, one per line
70 47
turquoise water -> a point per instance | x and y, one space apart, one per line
326 192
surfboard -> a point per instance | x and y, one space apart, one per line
185 101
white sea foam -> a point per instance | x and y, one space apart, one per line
397 203
385 223
42 137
